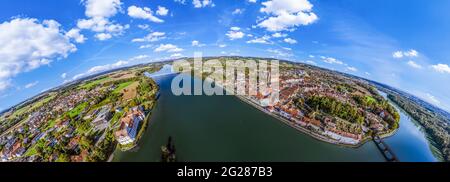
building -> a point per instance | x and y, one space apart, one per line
102 120
79 158
73 143
129 126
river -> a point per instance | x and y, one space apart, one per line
223 128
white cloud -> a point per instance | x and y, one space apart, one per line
202 3
235 28
234 33
27 86
260 40
74 34
222 45
311 56
162 11
400 54
145 46
279 35
27 44
102 68
64 75
397 54
352 68
286 14
311 62
176 55
98 13
98 69
143 26
168 48
286 6
432 99
252 1
441 68
180 1
102 25
279 53
198 3
139 57
103 36
331 60
290 41
102 8
107 67
414 64
4 84
143 13
151 37
411 53
238 11
196 43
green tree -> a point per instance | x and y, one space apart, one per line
62 157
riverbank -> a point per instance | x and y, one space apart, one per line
111 157
310 133
293 125
437 151
300 128
143 128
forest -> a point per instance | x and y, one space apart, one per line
435 125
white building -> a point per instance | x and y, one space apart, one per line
129 126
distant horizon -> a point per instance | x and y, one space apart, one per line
168 60
403 47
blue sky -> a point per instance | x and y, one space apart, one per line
403 43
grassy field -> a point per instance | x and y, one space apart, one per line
34 105
31 151
80 107
21 111
130 91
123 75
115 119
50 124
94 83
121 86
101 104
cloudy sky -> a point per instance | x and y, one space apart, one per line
403 43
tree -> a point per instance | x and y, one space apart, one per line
85 142
62 157
99 155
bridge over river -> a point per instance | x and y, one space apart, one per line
387 152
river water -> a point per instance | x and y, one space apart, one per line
223 128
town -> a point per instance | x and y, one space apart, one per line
327 105
84 121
